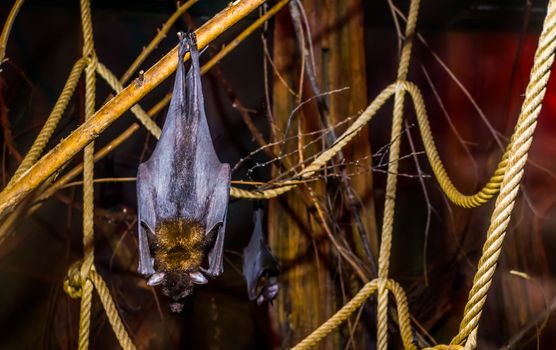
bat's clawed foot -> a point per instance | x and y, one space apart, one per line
183 44
198 278
177 285
186 40
156 279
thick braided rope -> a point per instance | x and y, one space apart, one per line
517 158
51 122
339 317
237 192
471 342
76 287
325 156
87 268
141 115
85 315
453 194
351 306
88 174
403 314
351 132
111 311
392 180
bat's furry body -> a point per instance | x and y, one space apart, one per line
183 192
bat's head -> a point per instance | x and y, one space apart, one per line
267 287
180 250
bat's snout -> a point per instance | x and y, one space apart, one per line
269 292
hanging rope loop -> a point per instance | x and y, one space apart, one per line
351 306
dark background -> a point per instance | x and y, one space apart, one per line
488 45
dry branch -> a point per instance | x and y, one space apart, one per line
7 29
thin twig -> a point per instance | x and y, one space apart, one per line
7 130
428 203
7 29
161 34
460 139
495 134
540 319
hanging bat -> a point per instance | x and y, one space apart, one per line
182 192
260 267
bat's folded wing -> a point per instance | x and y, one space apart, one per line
216 220
146 220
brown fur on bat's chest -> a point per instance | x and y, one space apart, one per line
180 245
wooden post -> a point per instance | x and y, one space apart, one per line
310 281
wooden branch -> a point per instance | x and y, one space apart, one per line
112 110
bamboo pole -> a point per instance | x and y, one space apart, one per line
114 108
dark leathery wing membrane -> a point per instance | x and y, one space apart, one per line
260 267
182 192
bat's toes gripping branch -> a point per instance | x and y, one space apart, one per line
186 39
183 45
192 38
